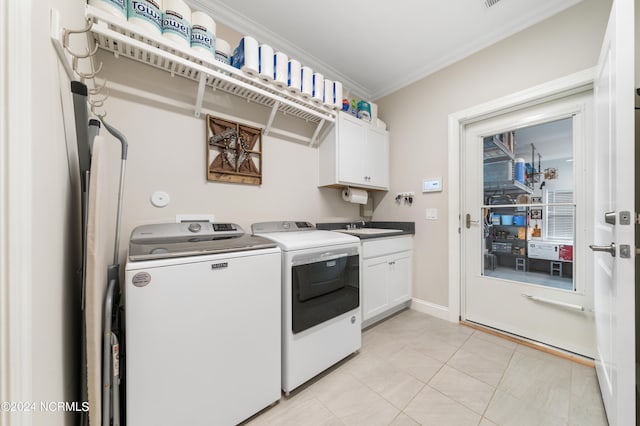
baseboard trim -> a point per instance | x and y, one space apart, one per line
531 344
373 321
438 311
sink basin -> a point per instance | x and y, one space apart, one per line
369 231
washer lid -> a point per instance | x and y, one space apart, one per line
184 232
290 241
169 249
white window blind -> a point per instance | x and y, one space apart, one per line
560 220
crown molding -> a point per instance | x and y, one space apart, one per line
509 29
233 19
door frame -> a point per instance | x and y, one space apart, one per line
555 89
16 206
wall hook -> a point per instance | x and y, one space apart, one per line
95 106
98 89
100 101
65 41
89 76
88 54
84 76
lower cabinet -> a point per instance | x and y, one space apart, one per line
386 277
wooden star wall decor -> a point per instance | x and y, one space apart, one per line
234 152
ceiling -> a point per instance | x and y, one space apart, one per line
377 47
552 140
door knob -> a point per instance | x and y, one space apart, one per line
611 249
469 221
610 218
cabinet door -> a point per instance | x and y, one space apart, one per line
400 278
376 157
351 137
375 297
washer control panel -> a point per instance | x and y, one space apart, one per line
184 231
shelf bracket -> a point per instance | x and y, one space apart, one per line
317 132
272 116
200 95
56 32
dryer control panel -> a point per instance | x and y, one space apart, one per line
284 226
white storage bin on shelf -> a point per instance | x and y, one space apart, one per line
124 39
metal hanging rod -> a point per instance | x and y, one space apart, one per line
554 302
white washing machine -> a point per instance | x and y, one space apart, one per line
320 298
202 324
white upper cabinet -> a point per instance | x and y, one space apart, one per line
354 153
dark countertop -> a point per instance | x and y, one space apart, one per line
407 228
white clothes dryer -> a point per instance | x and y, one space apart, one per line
320 298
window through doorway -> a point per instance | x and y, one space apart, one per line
529 210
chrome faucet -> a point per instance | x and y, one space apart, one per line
356 225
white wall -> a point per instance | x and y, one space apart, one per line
167 152
417 118
55 254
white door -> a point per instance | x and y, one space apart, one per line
614 193
521 300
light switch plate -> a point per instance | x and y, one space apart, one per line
432 185
431 214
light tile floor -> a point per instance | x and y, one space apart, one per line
414 369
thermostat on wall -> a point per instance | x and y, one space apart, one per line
432 185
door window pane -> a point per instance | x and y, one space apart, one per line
528 215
